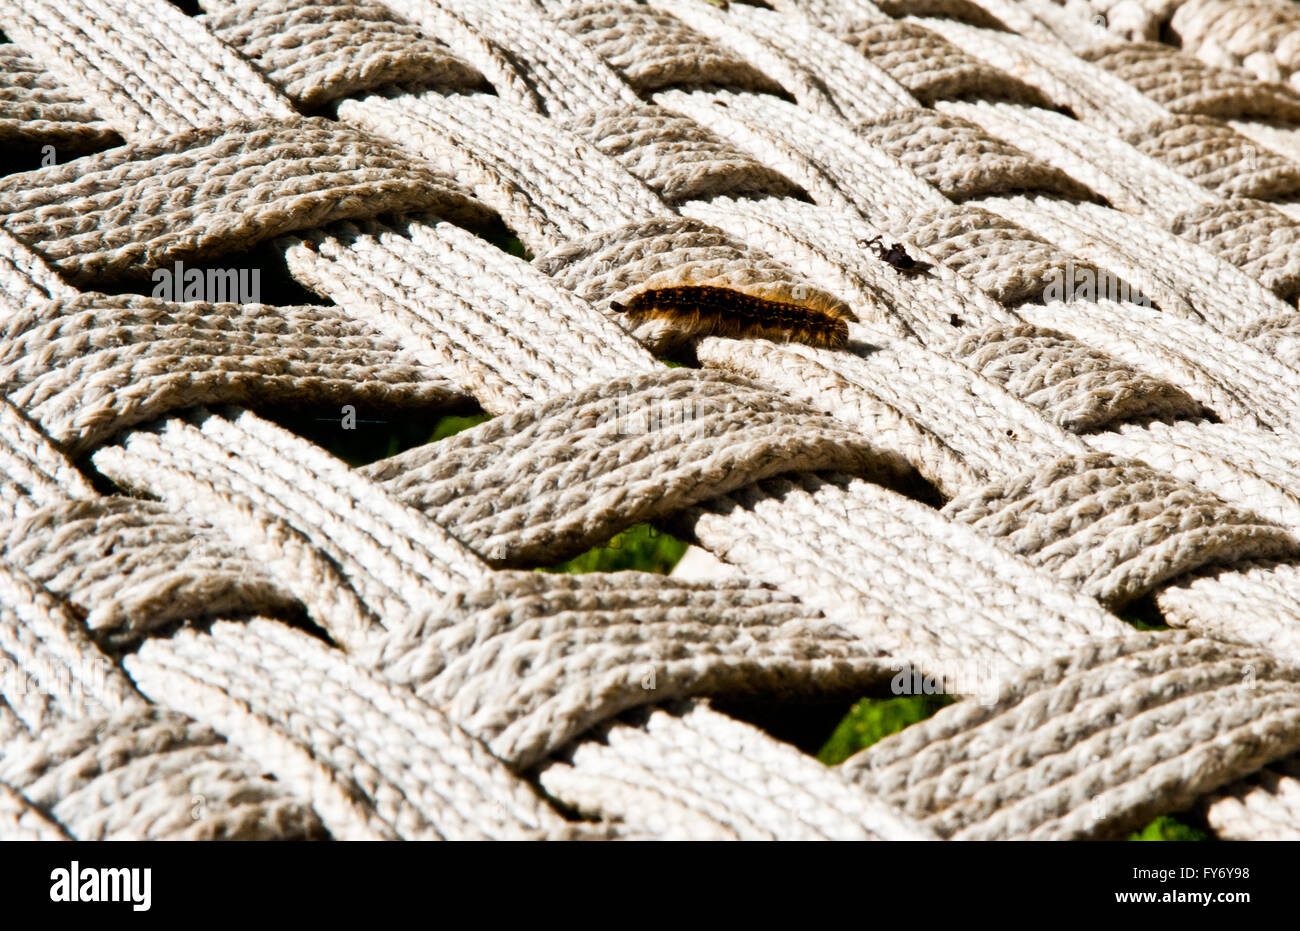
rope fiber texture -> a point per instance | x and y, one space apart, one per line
984 315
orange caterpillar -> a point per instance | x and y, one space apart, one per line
707 311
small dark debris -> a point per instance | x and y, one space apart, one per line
895 255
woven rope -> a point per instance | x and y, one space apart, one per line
1177 704
86 368
36 111
1039 271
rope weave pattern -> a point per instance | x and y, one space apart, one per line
1067 258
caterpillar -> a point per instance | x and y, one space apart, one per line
708 311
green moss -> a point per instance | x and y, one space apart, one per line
1141 624
873 719
515 247
1143 614
639 547
504 239
1169 827
450 426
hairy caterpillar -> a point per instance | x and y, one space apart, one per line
700 310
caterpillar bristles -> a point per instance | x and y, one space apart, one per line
699 310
